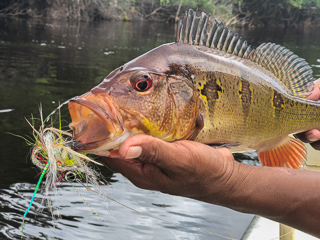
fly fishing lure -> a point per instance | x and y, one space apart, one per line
53 155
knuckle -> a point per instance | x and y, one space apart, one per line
151 154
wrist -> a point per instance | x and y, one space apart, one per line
241 187
228 183
237 187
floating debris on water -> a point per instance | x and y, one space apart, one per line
6 110
108 52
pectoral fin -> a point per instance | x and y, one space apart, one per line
290 153
226 145
197 128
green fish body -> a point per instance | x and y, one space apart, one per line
208 87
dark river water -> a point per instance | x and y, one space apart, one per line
50 63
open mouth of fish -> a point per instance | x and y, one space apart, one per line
96 123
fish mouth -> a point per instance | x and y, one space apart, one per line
95 122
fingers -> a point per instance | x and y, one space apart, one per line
165 166
145 148
165 155
170 156
312 136
183 168
309 136
142 161
315 95
143 175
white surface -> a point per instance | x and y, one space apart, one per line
264 229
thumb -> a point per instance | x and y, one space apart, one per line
156 156
182 168
171 156
147 149
173 167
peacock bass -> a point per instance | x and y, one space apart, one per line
209 87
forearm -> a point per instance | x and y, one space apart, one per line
285 195
200 172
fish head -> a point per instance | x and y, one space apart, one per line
133 100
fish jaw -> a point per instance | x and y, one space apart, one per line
96 123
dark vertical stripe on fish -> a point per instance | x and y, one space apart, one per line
211 90
278 104
246 97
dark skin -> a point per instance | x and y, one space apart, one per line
200 172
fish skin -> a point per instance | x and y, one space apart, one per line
240 101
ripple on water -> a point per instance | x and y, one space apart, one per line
75 219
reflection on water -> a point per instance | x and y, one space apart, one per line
76 220
50 63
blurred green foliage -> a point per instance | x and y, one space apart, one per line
284 13
295 3
300 3
241 12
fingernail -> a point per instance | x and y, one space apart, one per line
133 152
311 138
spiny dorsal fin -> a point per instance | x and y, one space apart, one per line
193 30
290 69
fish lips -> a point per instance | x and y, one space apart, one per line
95 121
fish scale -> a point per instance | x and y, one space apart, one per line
209 86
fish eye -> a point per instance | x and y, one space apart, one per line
141 81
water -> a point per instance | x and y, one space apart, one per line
49 63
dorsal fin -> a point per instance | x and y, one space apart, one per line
292 70
193 30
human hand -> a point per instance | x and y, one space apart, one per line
197 171
312 136
183 168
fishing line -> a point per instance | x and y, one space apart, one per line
172 223
52 154
161 219
54 111
282 235
86 202
34 194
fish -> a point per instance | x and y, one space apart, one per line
208 86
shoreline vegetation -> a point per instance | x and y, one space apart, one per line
247 13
